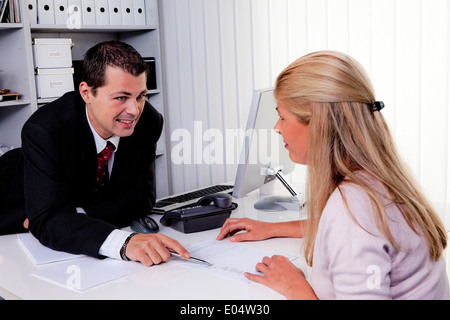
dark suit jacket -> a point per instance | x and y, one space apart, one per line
59 166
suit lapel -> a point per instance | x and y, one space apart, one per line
87 149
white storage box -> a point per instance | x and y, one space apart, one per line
52 53
53 83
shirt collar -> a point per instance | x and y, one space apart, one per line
100 143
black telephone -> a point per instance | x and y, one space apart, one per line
210 212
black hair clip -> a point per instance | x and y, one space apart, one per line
378 106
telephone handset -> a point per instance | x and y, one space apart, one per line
210 212
220 200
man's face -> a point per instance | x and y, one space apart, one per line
117 106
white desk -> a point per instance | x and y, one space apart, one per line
158 282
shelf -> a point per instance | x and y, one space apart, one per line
5 26
14 103
87 28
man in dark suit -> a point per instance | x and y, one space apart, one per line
66 206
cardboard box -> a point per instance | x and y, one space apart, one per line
53 83
52 53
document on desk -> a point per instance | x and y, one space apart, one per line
85 273
39 254
77 272
228 259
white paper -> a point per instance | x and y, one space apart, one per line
230 260
77 272
85 273
40 254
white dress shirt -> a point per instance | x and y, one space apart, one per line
113 243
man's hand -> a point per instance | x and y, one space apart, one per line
150 249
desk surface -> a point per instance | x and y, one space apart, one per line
157 282
165 281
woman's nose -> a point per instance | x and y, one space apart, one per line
277 127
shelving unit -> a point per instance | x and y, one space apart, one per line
16 61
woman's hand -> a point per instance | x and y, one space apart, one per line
282 276
256 230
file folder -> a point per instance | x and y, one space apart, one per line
46 12
75 20
115 12
31 8
127 13
139 12
151 11
102 12
88 12
61 12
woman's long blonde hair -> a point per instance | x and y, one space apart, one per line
331 91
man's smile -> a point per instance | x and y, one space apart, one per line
125 121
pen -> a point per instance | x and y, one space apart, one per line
191 258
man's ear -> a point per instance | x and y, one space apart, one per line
85 91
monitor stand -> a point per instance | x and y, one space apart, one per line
280 203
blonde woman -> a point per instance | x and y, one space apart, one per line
370 233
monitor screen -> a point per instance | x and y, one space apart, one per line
263 148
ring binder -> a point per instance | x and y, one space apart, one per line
102 12
46 12
31 9
115 12
127 12
75 20
139 12
61 12
88 12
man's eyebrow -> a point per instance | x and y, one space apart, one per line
126 93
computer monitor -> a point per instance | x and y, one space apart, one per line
264 157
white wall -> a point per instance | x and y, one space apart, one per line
217 51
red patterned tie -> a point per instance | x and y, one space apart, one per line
102 176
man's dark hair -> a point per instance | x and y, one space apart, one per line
111 53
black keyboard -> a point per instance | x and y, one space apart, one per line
188 199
